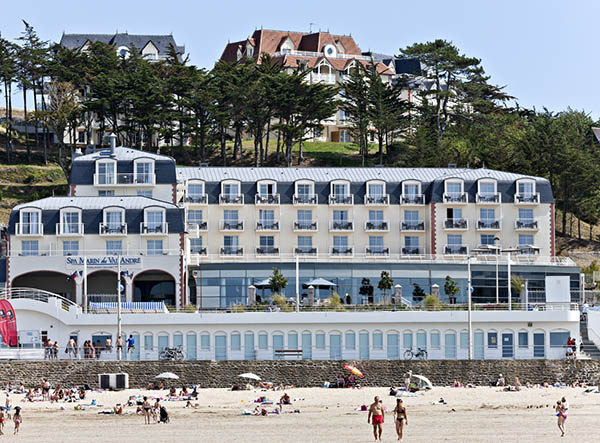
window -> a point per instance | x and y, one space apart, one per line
345 135
195 216
454 188
29 247
304 189
487 188
411 218
70 222
230 244
523 340
350 340
377 340
320 340
148 342
266 189
144 193
340 241
525 189
407 340
304 243
340 189
195 191
317 132
454 242
236 342
231 190
376 243
464 340
263 341
205 342
411 243
492 340
81 137
154 220
487 215
106 193
143 172
342 114
526 215
196 245
410 189
559 339
114 247
375 217
487 239
30 221
375 190
106 173
154 247
305 218
266 217
230 216
70 247
435 340
267 243
114 220
525 239
340 216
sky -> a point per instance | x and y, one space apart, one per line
544 51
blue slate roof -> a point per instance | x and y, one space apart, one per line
162 42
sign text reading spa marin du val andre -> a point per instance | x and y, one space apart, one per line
104 262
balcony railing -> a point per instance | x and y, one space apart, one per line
198 251
154 228
343 251
201 226
456 250
377 200
456 197
341 225
456 223
268 199
341 200
377 252
412 199
489 225
527 199
271 251
124 179
321 54
29 229
232 251
231 199
414 226
231 225
526 224
113 229
69 229
306 252
306 226
322 78
377 226
196 199
488 198
267 225
411 250
305 199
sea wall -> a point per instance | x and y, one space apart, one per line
301 373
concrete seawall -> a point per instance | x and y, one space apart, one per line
301 373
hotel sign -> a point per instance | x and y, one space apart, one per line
110 261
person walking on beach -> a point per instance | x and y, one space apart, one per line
407 381
401 418
18 419
8 406
146 409
377 411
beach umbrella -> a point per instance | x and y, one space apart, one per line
354 370
168 375
250 376
319 283
424 380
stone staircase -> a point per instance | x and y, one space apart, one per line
589 348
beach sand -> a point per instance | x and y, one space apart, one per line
481 414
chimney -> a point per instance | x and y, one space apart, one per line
77 153
113 144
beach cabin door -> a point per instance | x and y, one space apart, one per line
507 346
249 347
277 345
335 346
220 347
478 350
363 346
538 345
450 345
306 346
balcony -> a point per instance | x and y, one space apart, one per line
526 224
489 225
341 226
456 250
125 179
113 229
377 200
377 252
199 251
492 198
322 78
456 224
231 199
456 197
196 199
527 199
377 226
231 225
305 199
411 250
412 199
341 251
267 225
69 229
306 252
195 227
266 200
341 200
154 228
413 226
231 251
267 251
306 226
29 229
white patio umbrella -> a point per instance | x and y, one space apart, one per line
250 376
424 380
168 375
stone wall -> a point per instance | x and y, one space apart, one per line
301 373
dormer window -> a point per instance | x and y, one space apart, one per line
113 222
144 172
30 223
376 194
340 193
526 192
106 172
70 222
267 193
487 192
231 193
454 192
195 192
154 221
411 193
305 193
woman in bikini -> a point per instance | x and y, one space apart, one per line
561 415
401 418
17 419
146 408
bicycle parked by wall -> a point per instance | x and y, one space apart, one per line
421 354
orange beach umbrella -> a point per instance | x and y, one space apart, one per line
354 370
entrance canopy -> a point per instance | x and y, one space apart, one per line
319 283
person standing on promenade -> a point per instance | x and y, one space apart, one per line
401 418
377 411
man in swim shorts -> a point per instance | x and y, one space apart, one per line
377 411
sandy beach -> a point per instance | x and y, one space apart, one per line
480 414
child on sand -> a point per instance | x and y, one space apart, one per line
1 421
18 419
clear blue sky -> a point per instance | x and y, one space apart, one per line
545 51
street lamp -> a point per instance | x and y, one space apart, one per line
497 260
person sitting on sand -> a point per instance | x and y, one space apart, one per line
340 382
500 381
118 409
457 384
184 392
285 399
172 392
29 396
189 405
517 384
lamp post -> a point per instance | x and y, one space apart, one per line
297 283
119 331
497 280
469 291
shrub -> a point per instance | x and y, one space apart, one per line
432 303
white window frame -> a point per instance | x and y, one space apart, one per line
107 161
156 209
152 170
71 209
486 181
452 181
40 228
195 182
